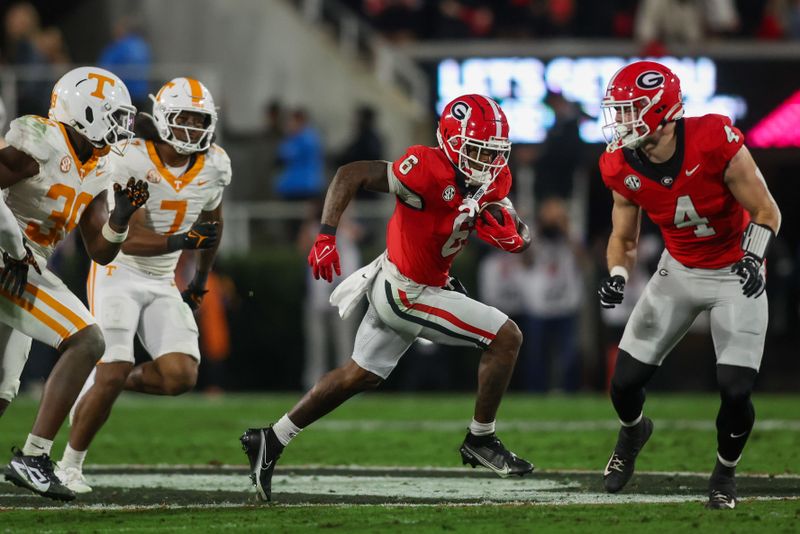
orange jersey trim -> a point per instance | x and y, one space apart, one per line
87 167
184 179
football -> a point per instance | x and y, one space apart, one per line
495 210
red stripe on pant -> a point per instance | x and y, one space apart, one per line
444 314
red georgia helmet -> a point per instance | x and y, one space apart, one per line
475 122
640 98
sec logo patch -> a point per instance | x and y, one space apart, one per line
449 193
152 176
66 164
632 182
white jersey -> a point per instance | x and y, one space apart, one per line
49 205
175 202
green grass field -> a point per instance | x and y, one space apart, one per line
376 465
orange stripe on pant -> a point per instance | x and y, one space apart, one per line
444 314
70 315
36 312
90 281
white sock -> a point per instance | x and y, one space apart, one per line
73 458
632 423
36 446
728 463
481 429
285 430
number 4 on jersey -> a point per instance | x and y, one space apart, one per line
686 215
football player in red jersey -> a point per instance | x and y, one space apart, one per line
695 178
440 193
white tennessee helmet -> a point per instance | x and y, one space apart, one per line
184 95
97 104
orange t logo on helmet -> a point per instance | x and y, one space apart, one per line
101 82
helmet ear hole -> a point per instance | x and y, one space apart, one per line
89 115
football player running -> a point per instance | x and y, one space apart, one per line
136 293
440 192
695 178
55 175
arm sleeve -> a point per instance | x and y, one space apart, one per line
223 165
722 140
27 134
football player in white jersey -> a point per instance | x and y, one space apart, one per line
55 175
136 293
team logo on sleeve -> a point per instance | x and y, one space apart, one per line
449 193
152 176
632 182
650 79
66 164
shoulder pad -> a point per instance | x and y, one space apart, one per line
29 134
218 158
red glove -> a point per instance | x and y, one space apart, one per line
324 258
503 236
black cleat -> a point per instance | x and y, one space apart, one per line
35 473
722 489
263 450
619 469
490 452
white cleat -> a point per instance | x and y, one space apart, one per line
72 478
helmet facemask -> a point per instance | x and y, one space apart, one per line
473 161
119 121
178 134
624 122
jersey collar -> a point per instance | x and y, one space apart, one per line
82 168
184 179
665 173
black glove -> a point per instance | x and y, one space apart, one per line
200 235
611 291
454 284
14 275
194 293
127 200
749 271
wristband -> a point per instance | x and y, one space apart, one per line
112 236
327 229
619 270
756 239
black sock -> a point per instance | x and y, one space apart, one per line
736 412
627 386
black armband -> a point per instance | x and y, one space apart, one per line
327 229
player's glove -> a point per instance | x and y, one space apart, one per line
749 271
323 258
502 235
611 291
195 291
127 200
454 284
14 275
201 235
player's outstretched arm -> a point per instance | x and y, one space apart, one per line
103 232
193 294
747 185
371 175
626 218
142 241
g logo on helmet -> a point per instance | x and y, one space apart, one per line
650 79
460 111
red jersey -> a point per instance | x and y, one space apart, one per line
699 218
426 230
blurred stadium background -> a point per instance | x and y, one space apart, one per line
305 85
